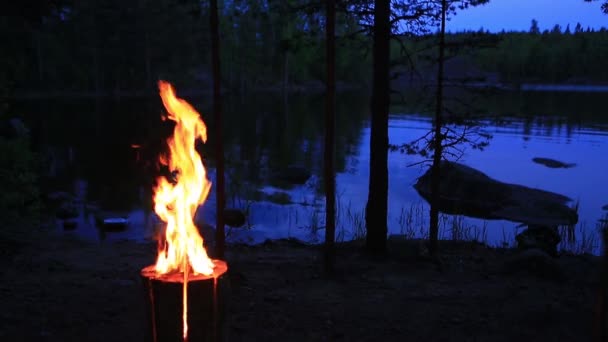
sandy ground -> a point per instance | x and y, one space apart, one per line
58 288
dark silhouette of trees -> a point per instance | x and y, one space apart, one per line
450 129
376 208
330 110
604 5
534 27
217 115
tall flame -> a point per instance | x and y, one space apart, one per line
176 202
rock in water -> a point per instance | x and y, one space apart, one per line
293 175
466 191
552 163
234 217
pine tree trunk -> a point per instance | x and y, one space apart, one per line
217 114
286 71
377 201
437 141
39 59
147 61
330 110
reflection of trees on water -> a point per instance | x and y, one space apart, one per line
544 113
261 133
271 132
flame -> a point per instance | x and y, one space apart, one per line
176 201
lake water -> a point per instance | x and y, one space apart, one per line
104 152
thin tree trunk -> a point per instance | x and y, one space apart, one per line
286 71
39 58
377 201
601 307
147 57
330 180
217 114
437 141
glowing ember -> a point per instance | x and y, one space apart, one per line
176 201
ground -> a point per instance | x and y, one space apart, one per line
59 288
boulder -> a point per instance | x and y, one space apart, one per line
66 211
234 217
293 175
70 224
552 163
467 191
111 221
539 237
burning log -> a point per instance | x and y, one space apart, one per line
206 304
183 270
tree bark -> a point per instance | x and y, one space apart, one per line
217 114
330 110
377 201
437 141
286 71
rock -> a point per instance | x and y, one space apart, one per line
466 191
534 261
293 174
234 217
111 221
539 237
552 163
66 211
70 224
605 207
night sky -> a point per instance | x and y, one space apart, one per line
516 15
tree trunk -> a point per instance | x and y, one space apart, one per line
217 114
437 141
330 110
286 71
377 201
39 59
147 61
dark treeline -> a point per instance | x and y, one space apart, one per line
560 55
112 46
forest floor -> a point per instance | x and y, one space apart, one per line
60 288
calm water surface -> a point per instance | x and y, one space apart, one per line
104 154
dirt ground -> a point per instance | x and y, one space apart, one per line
59 288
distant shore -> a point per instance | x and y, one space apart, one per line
311 88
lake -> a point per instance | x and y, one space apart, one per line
104 152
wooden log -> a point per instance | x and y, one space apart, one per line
207 307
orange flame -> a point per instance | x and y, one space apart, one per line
176 202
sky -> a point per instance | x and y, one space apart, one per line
517 15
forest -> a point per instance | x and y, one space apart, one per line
281 227
112 47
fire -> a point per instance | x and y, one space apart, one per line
176 201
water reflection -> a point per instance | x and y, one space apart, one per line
89 151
